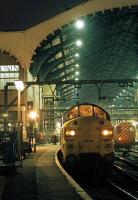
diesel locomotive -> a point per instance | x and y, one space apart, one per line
87 139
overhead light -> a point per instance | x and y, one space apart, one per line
78 43
77 55
79 24
33 115
77 65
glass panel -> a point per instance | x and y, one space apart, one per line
86 110
8 73
99 113
73 113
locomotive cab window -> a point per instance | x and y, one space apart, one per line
99 113
86 110
73 113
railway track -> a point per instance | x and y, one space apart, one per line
130 156
120 185
129 167
124 181
110 189
134 154
124 194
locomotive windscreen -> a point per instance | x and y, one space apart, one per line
73 113
99 113
85 110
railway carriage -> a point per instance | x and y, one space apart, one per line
124 135
87 138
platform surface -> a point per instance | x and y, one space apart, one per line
38 179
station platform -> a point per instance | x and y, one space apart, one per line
40 178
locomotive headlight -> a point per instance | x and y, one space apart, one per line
70 133
107 132
119 138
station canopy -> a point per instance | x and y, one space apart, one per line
105 48
98 57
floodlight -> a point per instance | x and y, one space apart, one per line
79 24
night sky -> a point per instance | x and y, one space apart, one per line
18 15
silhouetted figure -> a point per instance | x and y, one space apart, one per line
54 139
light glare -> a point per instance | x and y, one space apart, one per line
77 55
78 43
19 85
107 132
79 24
33 115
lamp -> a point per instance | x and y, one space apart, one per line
20 87
33 116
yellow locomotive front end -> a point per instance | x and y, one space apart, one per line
69 142
87 138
